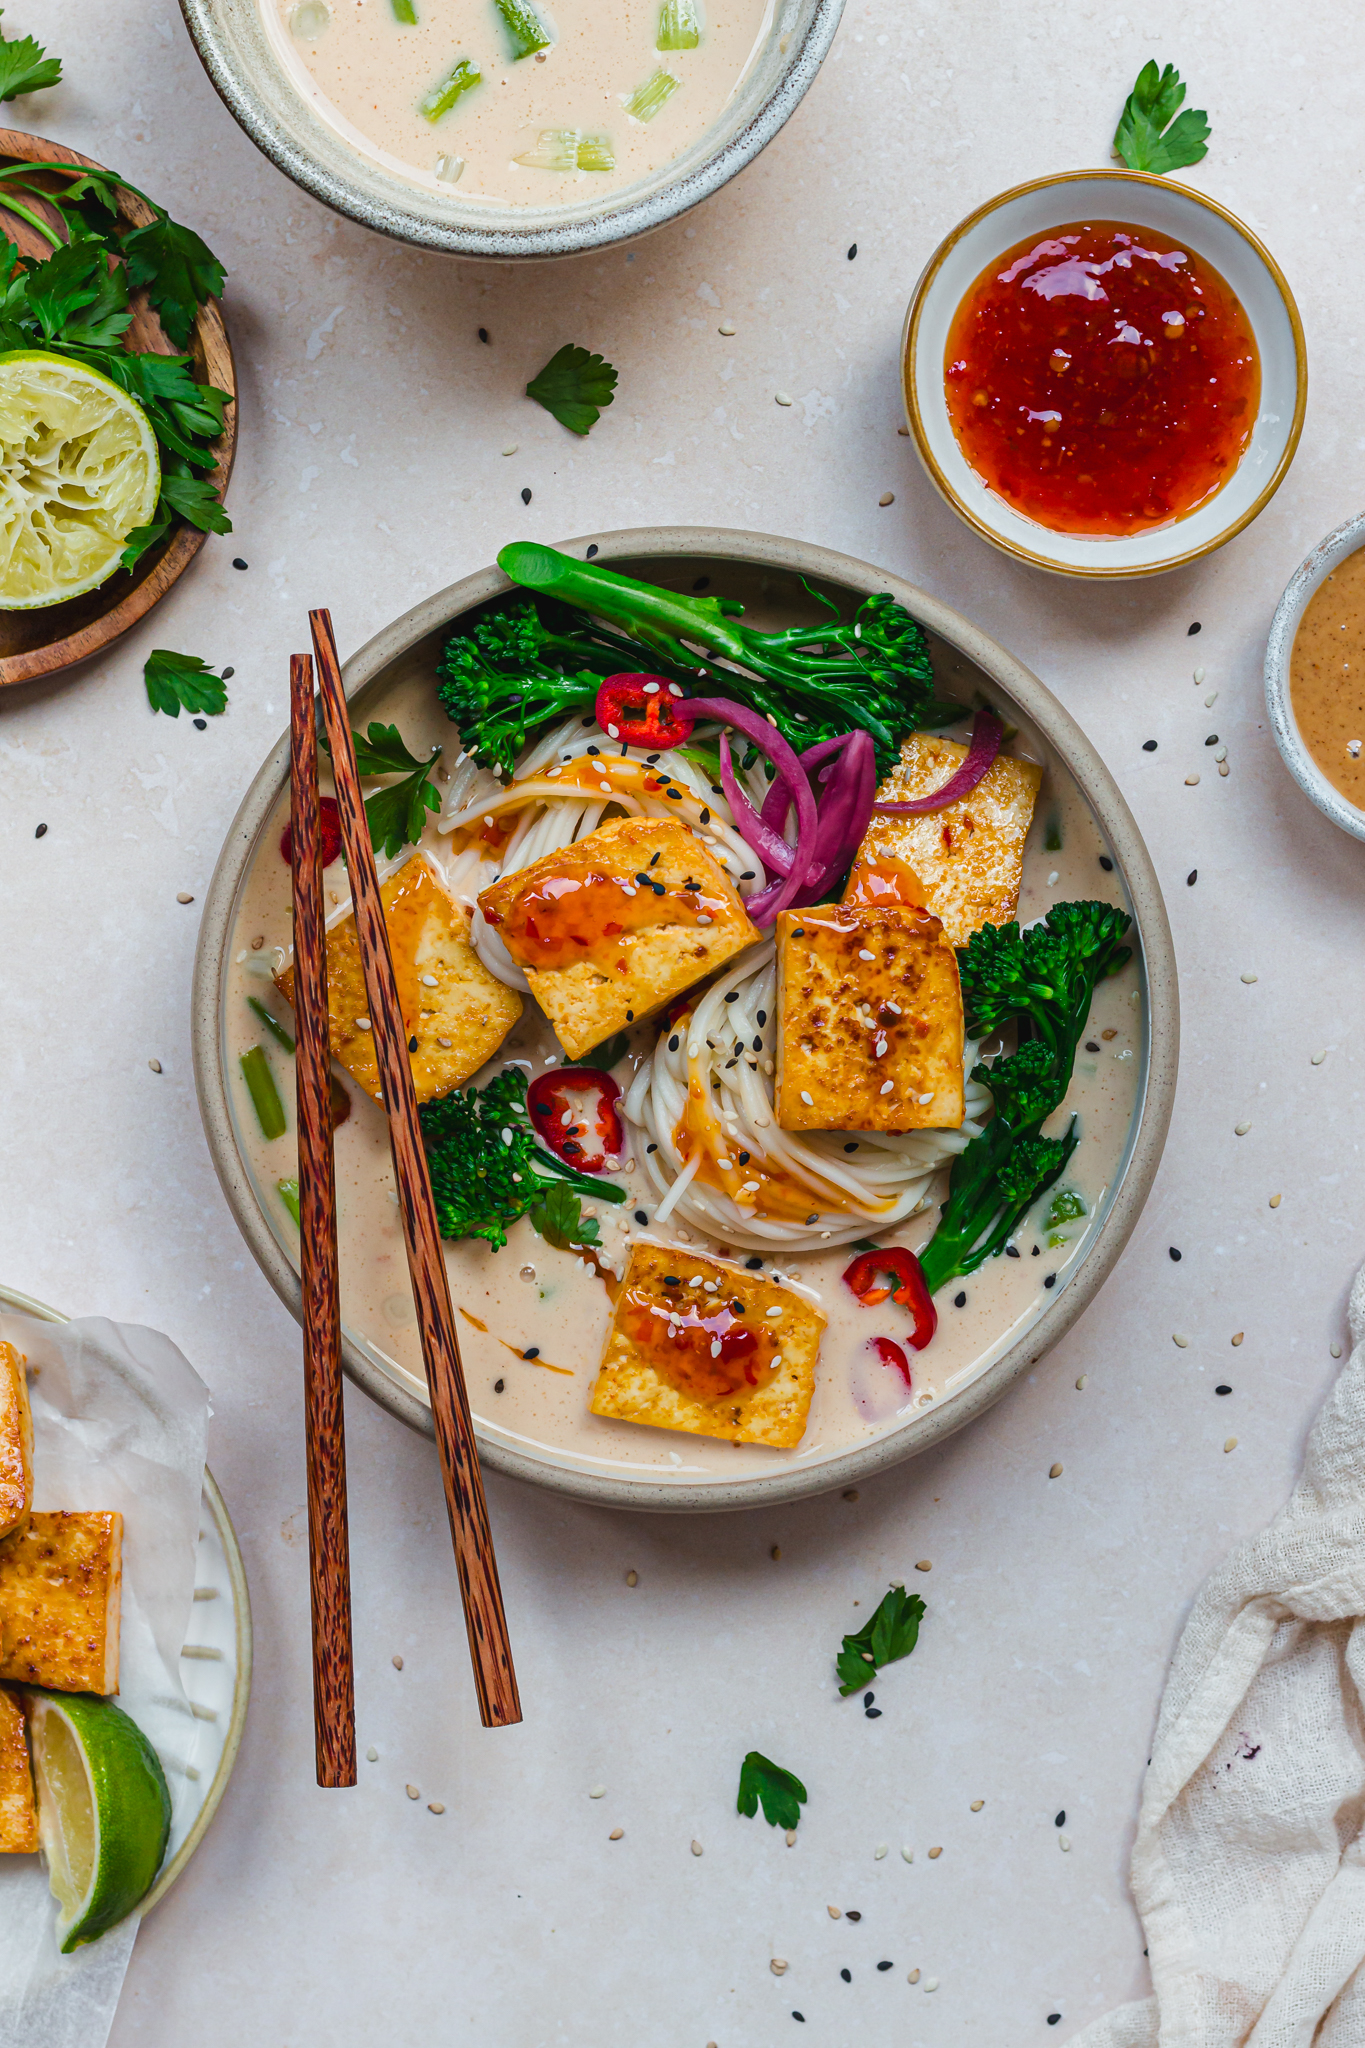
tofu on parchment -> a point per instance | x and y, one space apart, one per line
18 1809
16 1442
699 1345
61 1580
457 1011
963 863
612 928
869 1020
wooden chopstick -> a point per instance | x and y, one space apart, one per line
324 1419
489 1648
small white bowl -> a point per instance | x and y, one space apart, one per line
1279 650
1149 202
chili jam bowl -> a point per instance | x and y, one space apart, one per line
531 1359
1207 230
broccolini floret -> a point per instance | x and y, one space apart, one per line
487 1169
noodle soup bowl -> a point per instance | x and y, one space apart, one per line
1187 217
554 1442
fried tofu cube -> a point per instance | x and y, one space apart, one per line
18 1809
963 863
611 929
16 1442
61 1580
457 1011
709 1348
869 1021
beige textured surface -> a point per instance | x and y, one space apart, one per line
371 471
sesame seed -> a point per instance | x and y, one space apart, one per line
775 1552
834 1912
155 1066
977 1805
1183 1343
886 1087
960 1300
1319 1057
934 1854
913 1976
1238 1338
778 1966
1191 782
807 1098
696 1849
183 896
791 1838
1224 1389
597 1792
1191 878
863 954
1231 1444
887 498
1054 1472
1082 1382
931 1983
882 1849
1149 746
781 398
372 1754
726 327
435 1806
1064 1843
850 1493
398 1663
616 1834
1240 1130
1249 978
412 1792
1174 1254
924 1565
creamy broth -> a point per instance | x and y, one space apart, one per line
530 1294
1327 677
634 108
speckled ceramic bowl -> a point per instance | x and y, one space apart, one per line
231 40
1170 209
1280 647
767 575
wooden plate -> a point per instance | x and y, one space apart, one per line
42 643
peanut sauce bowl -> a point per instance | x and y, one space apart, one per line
1209 231
1299 592
534 1424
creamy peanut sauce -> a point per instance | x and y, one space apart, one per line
367 74
1327 677
530 1294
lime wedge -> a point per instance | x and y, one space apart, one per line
104 1812
78 471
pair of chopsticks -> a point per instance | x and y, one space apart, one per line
329 1552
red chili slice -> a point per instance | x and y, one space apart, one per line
329 832
592 1135
644 711
908 1289
892 1355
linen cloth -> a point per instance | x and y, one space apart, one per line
1249 1864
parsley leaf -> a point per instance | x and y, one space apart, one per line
397 814
1148 110
176 679
381 751
890 1635
561 1222
781 1794
178 270
69 280
575 387
25 66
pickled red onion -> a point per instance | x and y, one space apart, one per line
987 734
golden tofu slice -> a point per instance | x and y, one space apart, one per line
16 1442
18 1809
457 1011
963 863
709 1348
61 1581
611 929
869 1021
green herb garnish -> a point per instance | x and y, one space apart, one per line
575 386
265 1096
271 1023
288 1192
397 814
679 28
526 32
890 1635
646 100
761 1781
443 96
25 66
488 1168
404 13
1151 108
561 1222
1043 981
183 680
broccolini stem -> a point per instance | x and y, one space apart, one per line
526 32
265 1096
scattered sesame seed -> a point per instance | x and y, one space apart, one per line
1223 768
1082 1382
238 563
1319 1057
1275 1201
781 398
1191 878
887 498
1231 1444
597 1792
1238 1338
791 1838
372 1755
1240 1130
616 1834
960 1300
924 1565
526 497
1064 1843
632 1578
1106 864
1249 978
882 1849
912 1977
934 1853
931 1983
776 1552
1335 1349
1054 1472
852 251
834 1912
398 1663
847 1976
1182 1342
1191 782
1224 1389
696 1849
850 1493
778 1966
726 327
1149 746
183 896
413 1792
977 1805
807 1098
155 1066
499 1386
1174 1254
1060 1820
435 1806
40 832
1049 1280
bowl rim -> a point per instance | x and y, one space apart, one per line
578 237
28 1305
1302 586
1151 928
936 473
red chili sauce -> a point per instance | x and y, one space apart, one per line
1102 379
699 1344
572 916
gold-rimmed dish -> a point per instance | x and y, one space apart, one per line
1159 204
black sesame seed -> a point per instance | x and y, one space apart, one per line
1011 1251
228 674
869 1699
852 252
531 1351
847 1976
672 1280
1175 1254
758 1045
1090 1045
1191 878
1149 746
1036 1250
885 1966
641 1216
526 497
762 1016
753 1264
483 334
851 1147
749 875
589 720
732 996
592 551
41 832
1224 1389
1050 1280
630 1016
657 858
238 563
853 1916
870 1714
651 1148
1106 864
795 2015
498 1386
1053 2018
1195 628
673 1043
1212 740
201 724
800 932
705 815
412 1045
701 583
959 1301
674 795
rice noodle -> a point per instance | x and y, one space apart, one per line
851 1195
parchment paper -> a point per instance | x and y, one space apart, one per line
119 1422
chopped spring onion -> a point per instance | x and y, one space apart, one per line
308 20
450 169
568 149
404 12
646 100
679 26
272 1024
442 97
288 1191
265 1096
526 32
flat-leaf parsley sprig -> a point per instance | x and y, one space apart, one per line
781 1795
176 681
1149 110
25 66
575 386
890 1635
397 813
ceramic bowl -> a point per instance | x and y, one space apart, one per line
771 577
1280 647
232 42
1151 202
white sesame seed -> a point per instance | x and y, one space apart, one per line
1231 1444
597 1792
1221 755
908 1856
886 1087
977 1805
372 1754
778 1966
863 954
913 1977
1275 1201
183 896
1223 768
1240 1130
1052 879
398 1663
931 1983
1319 1057
155 1066
726 327
1335 1350
887 498
363 1024
1063 1843
446 1042
924 1099
1182 1342
413 1792
616 1834
882 1849
834 1912
696 1849
781 398
435 1806
808 1098
775 1310
1081 1382
1191 782
429 981
1249 978
1211 700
